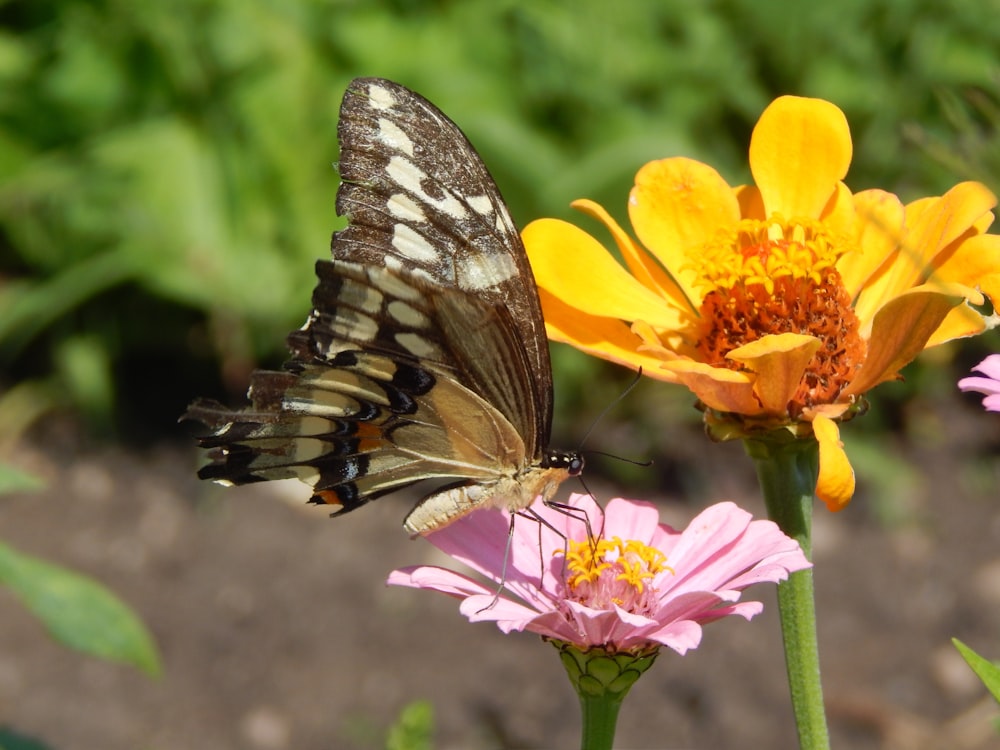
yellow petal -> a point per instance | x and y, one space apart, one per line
899 332
838 213
974 262
751 202
718 388
835 485
645 268
576 268
877 234
779 361
800 149
606 338
931 225
943 220
676 206
961 322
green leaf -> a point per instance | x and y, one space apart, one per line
79 612
11 740
15 480
986 670
413 728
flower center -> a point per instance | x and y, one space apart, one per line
772 277
605 572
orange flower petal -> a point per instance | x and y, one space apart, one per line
839 214
576 268
899 333
676 206
800 149
779 361
943 220
877 233
718 388
835 485
931 225
960 323
974 262
751 202
639 262
606 338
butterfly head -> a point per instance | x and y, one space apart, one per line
570 461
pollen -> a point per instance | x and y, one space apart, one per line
605 572
774 277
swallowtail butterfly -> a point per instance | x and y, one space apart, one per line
425 354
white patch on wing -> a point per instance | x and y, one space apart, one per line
380 97
412 244
390 134
390 284
407 315
354 326
409 176
404 207
363 297
417 345
481 271
481 204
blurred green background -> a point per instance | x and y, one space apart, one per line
166 175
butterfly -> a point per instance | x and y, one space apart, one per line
425 355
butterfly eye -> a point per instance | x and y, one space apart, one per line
571 462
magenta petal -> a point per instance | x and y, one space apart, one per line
980 385
990 367
992 403
479 540
507 614
630 520
679 636
709 563
435 578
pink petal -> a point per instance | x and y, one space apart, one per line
437 579
986 386
507 614
680 636
630 520
990 366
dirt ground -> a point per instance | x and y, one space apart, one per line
277 633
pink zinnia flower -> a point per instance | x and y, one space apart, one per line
638 585
988 386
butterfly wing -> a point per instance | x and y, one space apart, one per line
425 353
357 414
417 196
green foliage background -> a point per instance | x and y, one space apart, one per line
165 167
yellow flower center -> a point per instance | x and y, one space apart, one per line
604 572
774 277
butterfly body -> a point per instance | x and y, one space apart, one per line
425 354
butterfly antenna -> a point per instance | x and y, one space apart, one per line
609 407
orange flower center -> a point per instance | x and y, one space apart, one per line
771 278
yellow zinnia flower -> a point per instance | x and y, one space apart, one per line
777 304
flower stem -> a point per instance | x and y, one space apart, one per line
787 471
600 717
602 680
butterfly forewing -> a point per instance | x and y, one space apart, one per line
418 196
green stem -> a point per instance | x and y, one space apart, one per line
602 680
600 717
787 471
